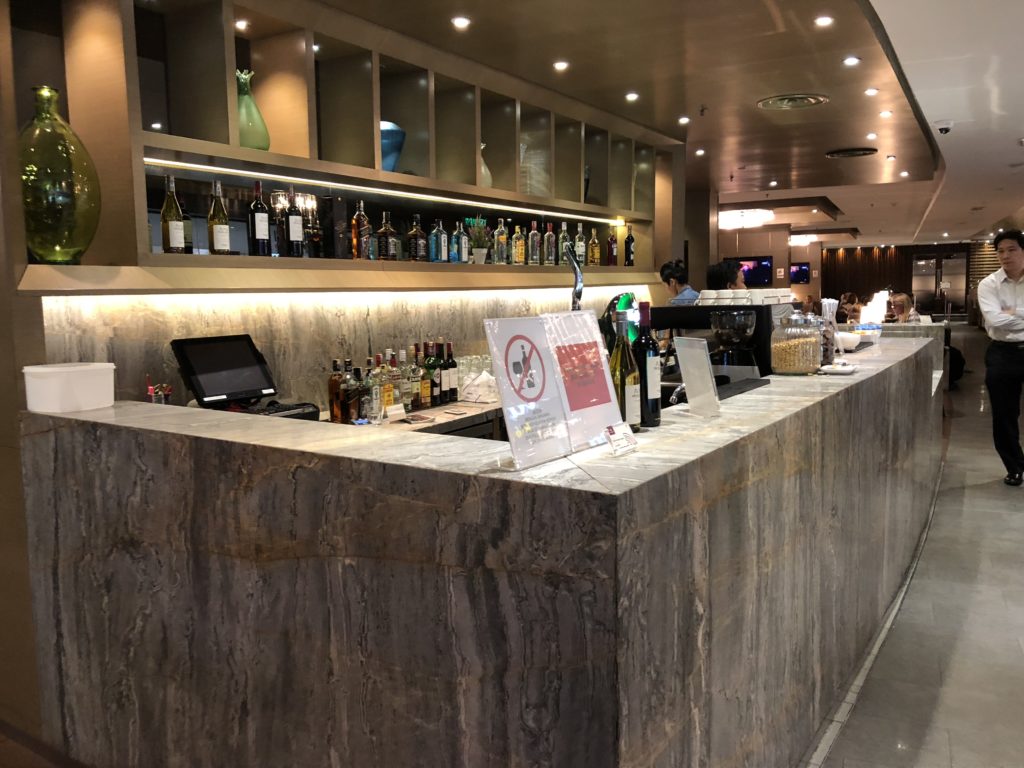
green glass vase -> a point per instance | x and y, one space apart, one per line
252 131
59 186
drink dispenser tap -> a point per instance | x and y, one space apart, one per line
569 252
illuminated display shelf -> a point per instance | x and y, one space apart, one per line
174 273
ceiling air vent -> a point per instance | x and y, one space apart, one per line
793 101
835 154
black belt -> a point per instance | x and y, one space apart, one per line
1008 344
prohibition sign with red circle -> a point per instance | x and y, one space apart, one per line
531 362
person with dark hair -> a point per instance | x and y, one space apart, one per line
1001 301
725 275
676 276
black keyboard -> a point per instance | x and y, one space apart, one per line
307 411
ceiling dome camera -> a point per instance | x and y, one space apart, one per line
944 126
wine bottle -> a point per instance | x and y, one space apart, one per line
625 375
549 257
452 369
438 243
518 247
259 223
593 249
564 241
172 223
440 373
217 226
416 241
533 245
360 233
500 253
430 366
459 247
629 244
387 240
296 227
613 248
648 360
580 245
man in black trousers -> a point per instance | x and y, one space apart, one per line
1001 300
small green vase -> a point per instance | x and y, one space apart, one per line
59 186
252 131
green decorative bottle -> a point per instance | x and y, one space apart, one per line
252 131
59 186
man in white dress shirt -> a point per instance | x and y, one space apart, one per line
1001 301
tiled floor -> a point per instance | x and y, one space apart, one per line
947 688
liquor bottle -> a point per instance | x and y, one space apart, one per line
416 241
613 248
630 244
403 369
438 243
387 387
580 244
387 240
361 233
550 255
593 249
412 377
440 380
648 360
172 224
395 377
335 394
563 242
533 245
458 248
373 384
625 375
452 370
518 247
500 253
426 375
296 229
432 372
217 227
259 223
350 394
360 394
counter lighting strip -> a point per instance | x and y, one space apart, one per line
160 163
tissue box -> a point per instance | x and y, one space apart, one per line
63 387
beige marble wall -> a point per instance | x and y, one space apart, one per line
298 333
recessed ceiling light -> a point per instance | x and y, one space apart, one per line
871 92
316 47
872 136
814 210
773 183
886 113
699 153
891 158
992 234
904 174
241 24
684 120
561 66
851 61
632 96
945 234
156 126
823 21
1000 229
460 22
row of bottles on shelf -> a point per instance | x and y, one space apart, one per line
291 227
362 395
636 371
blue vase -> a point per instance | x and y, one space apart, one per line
392 138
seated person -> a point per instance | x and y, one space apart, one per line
903 310
725 276
675 275
811 306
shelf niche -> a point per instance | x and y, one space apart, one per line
595 161
568 159
620 173
344 98
643 179
536 147
499 129
405 101
457 142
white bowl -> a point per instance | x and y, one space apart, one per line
848 341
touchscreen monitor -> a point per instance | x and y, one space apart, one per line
221 369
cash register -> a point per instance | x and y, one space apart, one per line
229 373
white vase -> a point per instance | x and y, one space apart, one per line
486 180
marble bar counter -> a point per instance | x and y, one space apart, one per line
230 590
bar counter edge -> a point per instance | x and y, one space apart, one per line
221 589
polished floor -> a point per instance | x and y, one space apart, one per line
947 687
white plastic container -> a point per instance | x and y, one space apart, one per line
64 387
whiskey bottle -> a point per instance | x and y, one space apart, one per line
259 223
361 233
593 249
426 375
580 244
217 226
387 240
416 241
335 393
414 373
172 224
518 247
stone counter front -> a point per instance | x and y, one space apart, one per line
230 590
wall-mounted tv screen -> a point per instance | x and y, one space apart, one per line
800 272
757 272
